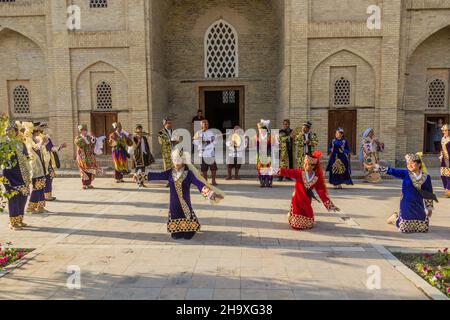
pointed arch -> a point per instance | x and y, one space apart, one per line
425 37
99 62
221 44
101 86
337 52
38 43
334 81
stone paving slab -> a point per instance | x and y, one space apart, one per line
117 236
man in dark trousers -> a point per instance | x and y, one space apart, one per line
142 157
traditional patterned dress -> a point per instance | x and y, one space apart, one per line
39 169
51 154
86 160
303 149
286 156
142 156
183 222
412 216
370 159
264 159
17 182
165 140
301 215
445 165
119 142
339 164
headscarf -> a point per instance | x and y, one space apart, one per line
365 135
417 157
314 158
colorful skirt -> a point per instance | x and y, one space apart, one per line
120 160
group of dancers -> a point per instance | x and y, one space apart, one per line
35 159
32 166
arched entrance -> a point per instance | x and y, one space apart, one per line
427 103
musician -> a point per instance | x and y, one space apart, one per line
236 145
205 141
142 157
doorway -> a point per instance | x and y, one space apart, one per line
433 133
101 124
223 107
345 119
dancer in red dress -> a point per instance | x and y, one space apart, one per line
308 179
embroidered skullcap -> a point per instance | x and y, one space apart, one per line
82 127
307 124
340 130
313 158
412 158
445 127
165 120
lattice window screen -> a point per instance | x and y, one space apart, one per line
342 92
104 96
98 4
21 99
436 94
221 51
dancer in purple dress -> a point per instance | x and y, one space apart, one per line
183 223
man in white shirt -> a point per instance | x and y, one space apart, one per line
205 141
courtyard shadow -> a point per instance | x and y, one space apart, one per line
150 285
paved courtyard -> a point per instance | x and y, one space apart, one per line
117 236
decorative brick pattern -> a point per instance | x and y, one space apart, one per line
288 57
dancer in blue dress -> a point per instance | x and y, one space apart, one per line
416 205
339 164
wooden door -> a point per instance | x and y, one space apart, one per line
345 119
101 124
238 112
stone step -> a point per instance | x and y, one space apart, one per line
432 161
248 173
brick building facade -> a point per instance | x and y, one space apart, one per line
140 60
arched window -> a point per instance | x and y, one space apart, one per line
21 100
221 51
436 94
342 92
98 4
104 96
